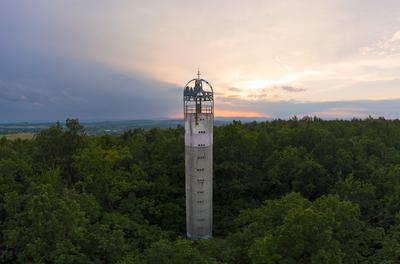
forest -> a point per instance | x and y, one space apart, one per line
285 191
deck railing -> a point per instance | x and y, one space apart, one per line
205 109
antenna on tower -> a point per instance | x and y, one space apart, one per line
198 74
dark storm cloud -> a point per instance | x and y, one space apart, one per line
40 88
40 82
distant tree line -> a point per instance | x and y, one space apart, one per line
295 191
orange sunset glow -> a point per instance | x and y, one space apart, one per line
229 113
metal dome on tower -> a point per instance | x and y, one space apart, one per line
195 97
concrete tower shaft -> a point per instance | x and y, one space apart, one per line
199 121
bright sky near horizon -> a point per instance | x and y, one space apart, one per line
129 59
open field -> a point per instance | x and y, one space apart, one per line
22 135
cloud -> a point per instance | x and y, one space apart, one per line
108 60
328 109
341 113
234 89
11 92
17 92
42 88
261 93
388 46
395 37
289 88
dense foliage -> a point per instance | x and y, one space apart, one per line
296 191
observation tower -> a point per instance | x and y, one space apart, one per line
198 108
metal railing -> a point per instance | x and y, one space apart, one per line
205 109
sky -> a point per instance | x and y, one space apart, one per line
129 59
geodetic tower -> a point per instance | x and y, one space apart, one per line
198 107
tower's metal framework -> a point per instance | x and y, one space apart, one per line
198 102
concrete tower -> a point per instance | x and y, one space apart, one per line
198 101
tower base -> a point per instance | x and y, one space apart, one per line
195 237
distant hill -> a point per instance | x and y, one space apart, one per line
111 127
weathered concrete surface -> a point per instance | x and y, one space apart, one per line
198 171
